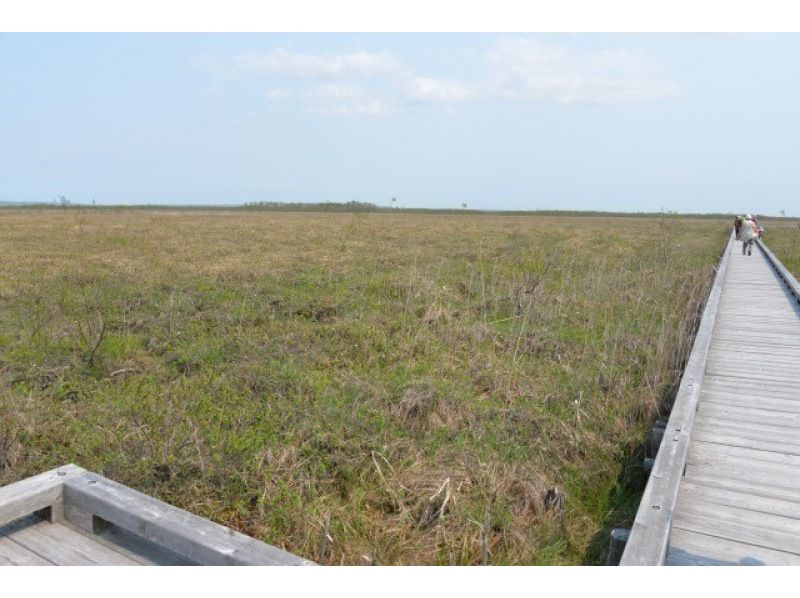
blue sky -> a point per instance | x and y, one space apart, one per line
632 122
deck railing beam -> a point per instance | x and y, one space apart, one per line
648 542
791 281
91 502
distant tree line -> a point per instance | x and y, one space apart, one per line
63 202
350 206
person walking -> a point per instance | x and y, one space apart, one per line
748 233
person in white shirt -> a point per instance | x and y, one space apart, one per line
748 234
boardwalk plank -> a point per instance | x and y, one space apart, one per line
771 483
714 452
739 498
740 525
12 553
62 545
779 405
764 374
764 357
732 440
750 430
755 414
733 385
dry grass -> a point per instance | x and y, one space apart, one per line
358 389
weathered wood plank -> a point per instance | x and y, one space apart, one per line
61 545
748 326
758 351
748 430
776 405
758 337
737 385
760 331
762 374
783 476
769 483
769 313
780 395
764 337
182 533
752 414
773 358
737 300
760 354
765 312
729 497
12 553
714 452
741 525
765 482
776 344
733 440
760 316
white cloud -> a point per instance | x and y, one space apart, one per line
340 92
292 64
515 68
278 93
392 87
426 89
351 100
524 68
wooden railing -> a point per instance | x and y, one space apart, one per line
89 501
791 281
648 541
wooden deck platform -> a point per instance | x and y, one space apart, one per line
725 488
34 540
70 516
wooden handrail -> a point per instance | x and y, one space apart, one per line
181 532
648 542
89 501
43 491
787 277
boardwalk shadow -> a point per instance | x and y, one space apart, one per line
683 557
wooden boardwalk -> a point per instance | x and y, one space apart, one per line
725 488
37 541
70 516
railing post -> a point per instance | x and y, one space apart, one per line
656 436
619 537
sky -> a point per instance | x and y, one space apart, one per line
621 122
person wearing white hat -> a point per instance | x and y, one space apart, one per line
748 234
